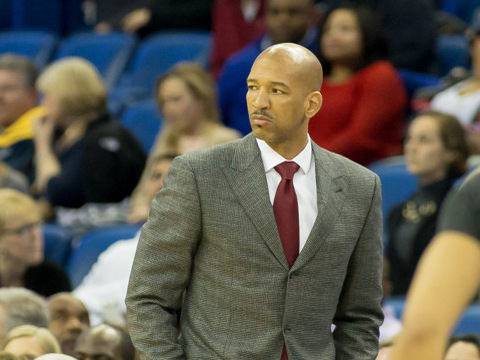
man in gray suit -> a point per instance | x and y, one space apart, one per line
213 235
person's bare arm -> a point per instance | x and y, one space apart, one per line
47 164
446 280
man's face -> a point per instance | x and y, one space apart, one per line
15 99
276 102
98 344
68 318
288 20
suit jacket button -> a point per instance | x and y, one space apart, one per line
286 328
292 275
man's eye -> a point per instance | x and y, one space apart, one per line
277 91
252 87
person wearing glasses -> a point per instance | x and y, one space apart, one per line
22 263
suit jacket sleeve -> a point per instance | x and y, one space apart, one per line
359 312
162 265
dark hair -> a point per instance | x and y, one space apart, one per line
468 338
454 138
22 66
374 43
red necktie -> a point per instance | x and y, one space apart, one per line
285 209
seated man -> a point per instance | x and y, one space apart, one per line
18 99
104 288
286 21
68 318
104 342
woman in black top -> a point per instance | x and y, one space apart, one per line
22 263
436 151
82 156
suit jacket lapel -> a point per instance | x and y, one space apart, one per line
246 177
330 200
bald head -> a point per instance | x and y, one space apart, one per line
68 318
283 95
298 58
108 341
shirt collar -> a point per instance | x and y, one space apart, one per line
271 158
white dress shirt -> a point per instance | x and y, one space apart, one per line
304 182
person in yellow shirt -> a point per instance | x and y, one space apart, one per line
18 109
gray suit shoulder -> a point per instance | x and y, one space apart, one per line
215 156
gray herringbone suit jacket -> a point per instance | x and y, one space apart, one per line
212 231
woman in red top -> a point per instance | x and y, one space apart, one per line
364 100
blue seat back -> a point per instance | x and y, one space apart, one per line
110 53
469 323
159 52
451 51
91 245
36 45
144 121
397 183
58 243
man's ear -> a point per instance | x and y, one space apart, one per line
313 103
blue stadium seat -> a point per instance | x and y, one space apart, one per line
89 247
470 321
143 120
414 80
451 51
110 53
155 55
36 45
397 183
58 243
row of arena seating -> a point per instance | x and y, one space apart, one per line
129 66
125 61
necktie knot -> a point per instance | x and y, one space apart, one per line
287 169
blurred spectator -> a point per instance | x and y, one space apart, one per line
104 288
30 340
22 247
436 151
463 347
18 99
148 16
20 306
446 279
13 179
187 100
410 29
463 99
82 156
364 101
105 342
68 318
286 21
235 23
